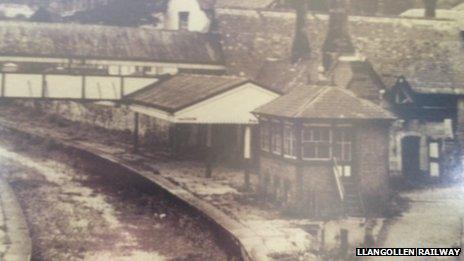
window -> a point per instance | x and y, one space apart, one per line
276 143
434 158
183 20
343 144
289 141
316 142
264 136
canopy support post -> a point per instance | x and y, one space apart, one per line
173 140
136 132
247 156
209 151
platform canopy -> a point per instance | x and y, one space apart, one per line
202 99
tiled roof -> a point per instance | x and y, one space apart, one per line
207 4
240 4
106 42
282 75
323 102
253 4
394 46
182 90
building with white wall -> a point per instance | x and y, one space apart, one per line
186 15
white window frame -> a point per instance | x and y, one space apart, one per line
289 148
184 25
303 140
345 143
265 127
277 150
434 158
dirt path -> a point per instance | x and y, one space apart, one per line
77 215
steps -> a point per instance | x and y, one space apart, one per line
352 204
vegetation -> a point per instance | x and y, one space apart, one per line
122 13
384 7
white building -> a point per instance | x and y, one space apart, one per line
186 15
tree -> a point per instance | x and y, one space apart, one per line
42 15
122 13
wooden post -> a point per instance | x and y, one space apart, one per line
298 138
247 155
83 87
2 92
44 86
209 151
121 88
173 140
136 132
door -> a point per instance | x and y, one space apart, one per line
411 156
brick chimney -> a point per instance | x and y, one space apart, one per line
338 39
301 48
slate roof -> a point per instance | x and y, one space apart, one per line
253 4
323 102
282 75
241 4
182 90
394 46
106 42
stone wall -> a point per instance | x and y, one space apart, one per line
307 190
393 45
278 181
372 164
108 116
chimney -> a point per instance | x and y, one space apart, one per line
301 48
430 8
338 40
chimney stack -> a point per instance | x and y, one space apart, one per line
338 39
301 48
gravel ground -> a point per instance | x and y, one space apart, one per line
82 214
432 220
281 236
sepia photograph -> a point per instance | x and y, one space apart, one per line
231 130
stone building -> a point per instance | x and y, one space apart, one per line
324 152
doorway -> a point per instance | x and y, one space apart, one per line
411 156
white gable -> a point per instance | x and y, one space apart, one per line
231 107
198 21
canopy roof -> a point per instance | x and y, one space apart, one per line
212 99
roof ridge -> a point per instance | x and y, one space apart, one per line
364 101
97 26
213 75
321 90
